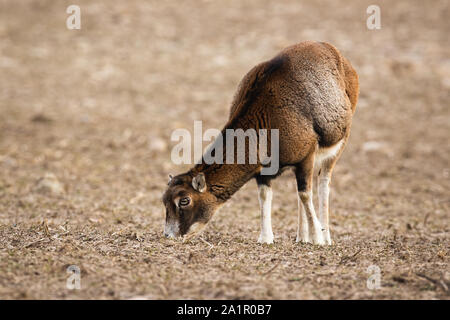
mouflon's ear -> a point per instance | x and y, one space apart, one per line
199 182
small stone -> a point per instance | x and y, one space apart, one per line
49 184
372 146
157 144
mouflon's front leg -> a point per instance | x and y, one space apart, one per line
265 202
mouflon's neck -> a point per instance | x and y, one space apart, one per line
247 112
224 180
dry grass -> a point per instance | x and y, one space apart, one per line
95 108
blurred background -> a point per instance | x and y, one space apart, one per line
86 118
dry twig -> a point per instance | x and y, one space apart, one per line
439 283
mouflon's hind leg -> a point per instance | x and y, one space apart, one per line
323 191
302 226
265 203
323 187
304 175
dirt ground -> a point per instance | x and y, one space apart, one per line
85 127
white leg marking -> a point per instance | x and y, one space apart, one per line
323 157
313 223
302 226
265 202
324 191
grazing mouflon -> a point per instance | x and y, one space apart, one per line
309 93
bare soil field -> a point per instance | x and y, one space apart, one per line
86 118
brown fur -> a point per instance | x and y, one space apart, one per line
309 92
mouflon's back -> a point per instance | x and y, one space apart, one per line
308 91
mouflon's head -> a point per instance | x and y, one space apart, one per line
189 205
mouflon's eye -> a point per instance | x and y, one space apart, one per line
184 202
